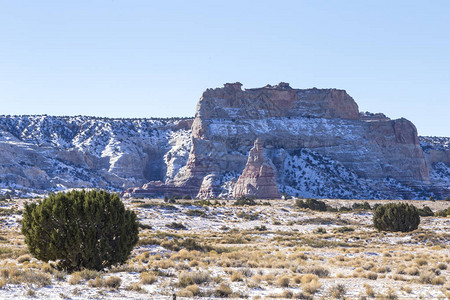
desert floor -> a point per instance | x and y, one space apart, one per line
271 250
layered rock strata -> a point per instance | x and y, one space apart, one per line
317 140
258 178
326 121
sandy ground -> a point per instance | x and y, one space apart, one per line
293 244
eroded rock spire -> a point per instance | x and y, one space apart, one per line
258 177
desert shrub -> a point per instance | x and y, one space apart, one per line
338 291
425 212
23 258
245 200
26 277
396 217
443 213
176 226
248 216
413 271
284 295
97 282
318 270
283 281
189 291
312 204
60 276
75 278
89 274
261 228
345 208
421 262
426 277
440 280
308 278
6 252
364 206
188 244
148 278
203 202
369 290
236 276
113 282
190 278
303 296
344 229
312 287
196 213
320 230
79 229
136 287
223 290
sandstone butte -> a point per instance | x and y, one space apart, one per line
228 120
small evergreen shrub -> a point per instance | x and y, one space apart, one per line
396 217
261 228
176 226
80 230
443 213
312 204
425 212
363 206
245 200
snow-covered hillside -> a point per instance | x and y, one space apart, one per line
40 154
309 174
44 153
439 143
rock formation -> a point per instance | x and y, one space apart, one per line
326 121
258 177
317 140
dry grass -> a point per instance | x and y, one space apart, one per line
24 258
318 270
337 291
113 282
223 291
288 257
369 290
75 278
148 278
190 278
190 291
312 287
236 276
283 281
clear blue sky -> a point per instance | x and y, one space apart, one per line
155 58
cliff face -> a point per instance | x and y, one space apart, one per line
319 143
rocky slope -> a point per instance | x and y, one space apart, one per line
42 153
318 141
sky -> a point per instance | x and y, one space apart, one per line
155 58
